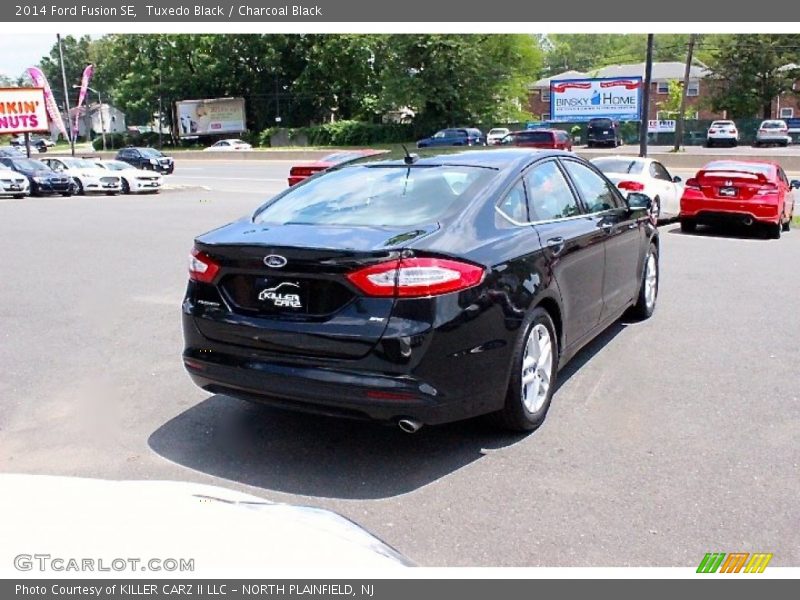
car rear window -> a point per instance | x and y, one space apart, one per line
773 125
377 196
605 123
619 165
723 124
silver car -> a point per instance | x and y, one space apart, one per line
773 131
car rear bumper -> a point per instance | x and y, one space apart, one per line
773 139
367 388
730 211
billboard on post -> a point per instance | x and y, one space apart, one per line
22 110
575 100
210 117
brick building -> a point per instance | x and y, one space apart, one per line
663 72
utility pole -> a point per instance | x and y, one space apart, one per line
160 112
645 110
66 95
682 109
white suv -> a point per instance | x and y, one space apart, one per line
722 132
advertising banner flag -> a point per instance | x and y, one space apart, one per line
40 81
87 77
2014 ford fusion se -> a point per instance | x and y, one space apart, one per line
419 290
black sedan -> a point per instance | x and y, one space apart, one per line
419 291
148 159
43 179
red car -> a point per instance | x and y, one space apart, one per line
551 139
304 170
738 191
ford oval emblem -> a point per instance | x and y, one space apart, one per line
275 261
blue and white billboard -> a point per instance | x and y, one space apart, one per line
617 98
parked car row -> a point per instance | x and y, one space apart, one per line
68 175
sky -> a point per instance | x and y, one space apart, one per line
20 51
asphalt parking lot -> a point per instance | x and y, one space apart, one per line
666 440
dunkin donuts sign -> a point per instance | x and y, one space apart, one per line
22 110
583 99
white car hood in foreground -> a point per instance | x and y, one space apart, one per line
222 530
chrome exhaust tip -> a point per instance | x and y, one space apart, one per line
748 221
409 425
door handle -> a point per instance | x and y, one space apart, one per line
556 245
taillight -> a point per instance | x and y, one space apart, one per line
712 131
692 184
767 190
202 267
302 171
416 277
630 186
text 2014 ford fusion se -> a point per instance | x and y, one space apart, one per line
419 290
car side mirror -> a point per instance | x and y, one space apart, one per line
795 185
676 179
637 201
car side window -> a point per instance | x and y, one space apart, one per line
658 171
514 205
782 176
597 193
550 196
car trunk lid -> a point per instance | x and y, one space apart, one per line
284 289
731 184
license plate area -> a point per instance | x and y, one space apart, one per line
728 192
281 295
284 295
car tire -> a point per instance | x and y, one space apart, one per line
774 230
688 226
80 191
526 401
19 196
648 287
66 194
126 188
787 226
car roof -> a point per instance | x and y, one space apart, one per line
538 129
500 159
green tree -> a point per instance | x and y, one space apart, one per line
749 71
78 52
672 104
588 51
458 79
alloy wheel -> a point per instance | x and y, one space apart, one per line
537 367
